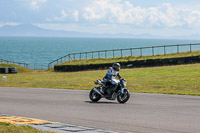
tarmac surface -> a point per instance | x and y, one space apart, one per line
143 113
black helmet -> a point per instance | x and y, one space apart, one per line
116 66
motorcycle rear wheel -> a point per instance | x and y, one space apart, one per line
94 97
122 98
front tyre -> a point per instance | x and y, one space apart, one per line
94 97
122 98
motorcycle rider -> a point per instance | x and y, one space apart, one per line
110 76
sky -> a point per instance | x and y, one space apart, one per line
156 17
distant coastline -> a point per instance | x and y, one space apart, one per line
29 30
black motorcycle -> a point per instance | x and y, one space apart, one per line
121 93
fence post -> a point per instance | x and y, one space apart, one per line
64 58
74 56
190 48
177 48
164 50
69 57
131 52
92 55
105 54
113 53
86 55
80 56
140 51
121 53
152 50
98 54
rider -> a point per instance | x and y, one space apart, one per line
110 76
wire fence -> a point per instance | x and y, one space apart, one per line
37 66
142 51
21 64
34 66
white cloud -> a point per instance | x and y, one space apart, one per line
35 3
164 15
9 23
192 18
76 15
70 15
111 16
62 17
124 12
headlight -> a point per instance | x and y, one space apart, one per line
125 84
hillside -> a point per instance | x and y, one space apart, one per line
29 30
20 69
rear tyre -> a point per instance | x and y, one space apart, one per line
122 98
94 97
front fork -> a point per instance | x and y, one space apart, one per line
121 91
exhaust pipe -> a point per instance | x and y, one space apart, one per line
97 91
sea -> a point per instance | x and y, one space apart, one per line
39 51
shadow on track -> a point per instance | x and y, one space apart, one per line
100 102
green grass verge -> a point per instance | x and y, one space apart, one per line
180 79
10 128
129 58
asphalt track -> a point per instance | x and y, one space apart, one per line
143 113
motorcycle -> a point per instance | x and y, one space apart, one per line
121 93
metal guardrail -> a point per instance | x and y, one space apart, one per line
21 64
73 56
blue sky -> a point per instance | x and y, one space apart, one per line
157 17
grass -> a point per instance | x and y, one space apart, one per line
129 58
180 79
10 128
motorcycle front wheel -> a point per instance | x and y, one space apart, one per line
94 97
122 98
